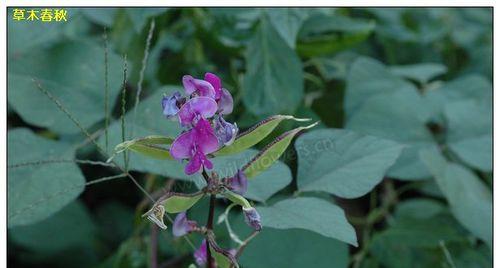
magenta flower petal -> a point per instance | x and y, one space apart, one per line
194 165
204 136
182 146
182 225
200 255
198 86
225 102
214 80
202 106
188 83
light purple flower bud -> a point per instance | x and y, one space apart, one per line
200 255
182 225
197 107
225 102
252 218
238 183
233 252
171 104
198 86
225 132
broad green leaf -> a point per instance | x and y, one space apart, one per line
294 248
287 22
404 123
273 82
367 78
420 72
470 200
469 132
37 191
71 71
325 34
255 134
411 242
271 153
70 227
237 199
419 208
260 187
150 122
177 202
312 214
470 87
103 16
139 16
343 162
335 67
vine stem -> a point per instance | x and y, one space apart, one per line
210 219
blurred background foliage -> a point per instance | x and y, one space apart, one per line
417 76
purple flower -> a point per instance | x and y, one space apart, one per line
252 218
197 107
171 104
238 183
225 132
195 144
214 80
200 255
222 96
198 87
182 225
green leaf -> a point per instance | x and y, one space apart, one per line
419 208
325 34
404 123
469 132
470 87
71 71
273 82
139 16
371 94
470 200
70 227
414 242
287 22
178 202
255 134
271 153
37 191
420 72
260 187
367 78
103 16
294 248
26 36
343 162
312 214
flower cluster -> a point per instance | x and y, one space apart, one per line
201 113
